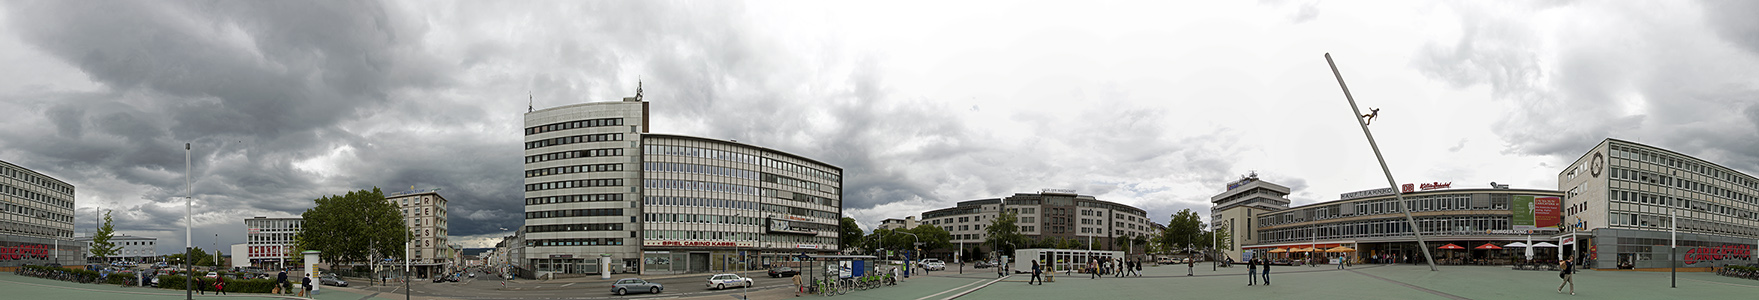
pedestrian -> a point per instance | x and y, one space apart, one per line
201 285
1035 274
1267 273
1190 267
1138 268
801 288
281 282
305 285
1567 266
1092 268
1252 272
220 285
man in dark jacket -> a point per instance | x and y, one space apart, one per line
305 285
281 282
1252 271
1267 273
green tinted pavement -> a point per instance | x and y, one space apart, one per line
1372 282
13 286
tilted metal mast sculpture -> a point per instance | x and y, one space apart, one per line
1397 194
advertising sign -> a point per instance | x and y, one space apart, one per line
1534 212
1548 212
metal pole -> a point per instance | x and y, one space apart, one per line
1398 195
1673 236
188 194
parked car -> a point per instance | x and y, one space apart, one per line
623 286
933 264
212 275
331 279
981 264
722 281
445 278
779 272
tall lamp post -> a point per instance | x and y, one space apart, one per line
916 251
188 194
1673 223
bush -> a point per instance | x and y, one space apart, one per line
175 282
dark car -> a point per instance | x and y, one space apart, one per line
626 285
982 264
779 272
445 278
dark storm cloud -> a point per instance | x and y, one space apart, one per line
1677 89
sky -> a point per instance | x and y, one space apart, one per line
1156 104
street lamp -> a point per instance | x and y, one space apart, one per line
915 249
188 212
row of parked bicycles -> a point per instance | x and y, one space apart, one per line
57 274
833 287
1737 271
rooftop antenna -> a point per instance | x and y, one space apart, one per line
529 100
637 88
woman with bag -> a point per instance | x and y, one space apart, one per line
1567 267
219 285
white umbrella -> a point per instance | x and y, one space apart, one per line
1516 244
1544 244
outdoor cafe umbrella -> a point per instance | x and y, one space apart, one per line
1487 246
1451 246
1278 250
1522 245
1340 249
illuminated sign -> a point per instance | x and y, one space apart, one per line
1436 185
1237 184
805 246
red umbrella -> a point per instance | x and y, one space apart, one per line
1488 246
1451 246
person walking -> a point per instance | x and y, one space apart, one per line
1092 268
281 282
305 285
1267 273
201 285
1252 272
1190 267
1035 273
1567 266
799 288
220 285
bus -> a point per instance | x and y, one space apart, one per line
1059 260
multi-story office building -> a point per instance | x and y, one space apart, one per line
1237 209
895 224
424 211
1050 214
36 219
132 249
598 184
1622 199
1372 223
269 241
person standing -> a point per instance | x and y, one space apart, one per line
798 287
1252 272
1566 266
1092 268
1035 273
1267 273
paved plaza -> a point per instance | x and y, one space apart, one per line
1163 282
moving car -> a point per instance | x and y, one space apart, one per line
331 279
982 264
933 264
722 281
445 278
779 272
626 285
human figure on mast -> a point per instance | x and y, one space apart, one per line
1366 119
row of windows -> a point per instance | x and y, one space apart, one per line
1450 225
704 202
584 138
574 154
784 180
35 213
37 180
1665 180
700 169
575 242
804 212
573 184
573 125
1619 195
573 198
34 196
700 186
574 169
1686 224
17 228
1438 202
739 236
575 227
1645 155
699 218
801 197
742 158
598 212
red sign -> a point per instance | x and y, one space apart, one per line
1405 188
694 244
1546 212
1704 254
1437 185
34 251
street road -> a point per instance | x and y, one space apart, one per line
488 287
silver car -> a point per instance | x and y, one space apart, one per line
722 281
625 285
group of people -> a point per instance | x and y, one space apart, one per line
1252 271
219 285
1101 266
282 285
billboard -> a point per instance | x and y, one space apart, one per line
1535 212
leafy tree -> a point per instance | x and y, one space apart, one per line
933 237
1183 231
200 257
850 234
101 245
1004 235
1222 237
353 228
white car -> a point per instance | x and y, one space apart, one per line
722 281
933 264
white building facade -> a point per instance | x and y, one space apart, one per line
131 249
424 211
1621 199
36 219
268 242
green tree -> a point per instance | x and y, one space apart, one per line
1004 235
353 228
1183 231
200 257
102 247
1222 238
933 237
849 235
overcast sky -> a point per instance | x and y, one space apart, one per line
1156 104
